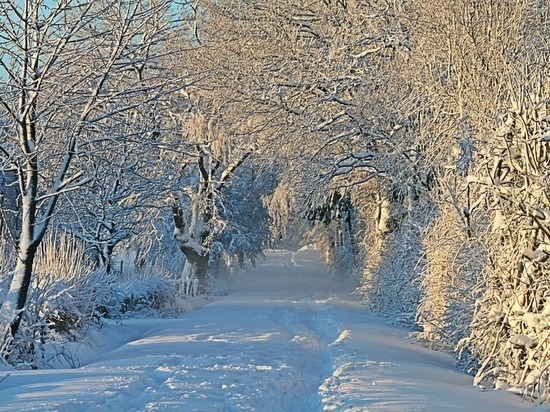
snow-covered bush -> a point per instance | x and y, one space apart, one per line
510 331
59 313
144 294
65 298
393 257
451 281
392 285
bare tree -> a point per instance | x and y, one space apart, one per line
70 72
196 217
223 124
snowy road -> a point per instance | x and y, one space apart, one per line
265 348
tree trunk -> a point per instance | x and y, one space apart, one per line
14 303
193 246
196 266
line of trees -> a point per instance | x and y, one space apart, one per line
77 78
111 123
417 133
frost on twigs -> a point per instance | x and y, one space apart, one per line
510 331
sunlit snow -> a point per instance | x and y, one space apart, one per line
289 337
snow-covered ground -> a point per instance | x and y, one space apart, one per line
287 338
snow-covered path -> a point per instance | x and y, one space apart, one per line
289 338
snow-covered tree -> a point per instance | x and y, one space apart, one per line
127 186
220 123
246 229
70 71
475 63
196 216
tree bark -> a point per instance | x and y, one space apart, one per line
193 246
11 311
196 265
14 303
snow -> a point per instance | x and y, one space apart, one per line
288 337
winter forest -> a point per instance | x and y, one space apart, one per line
150 148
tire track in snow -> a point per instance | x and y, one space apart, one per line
280 359
311 332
